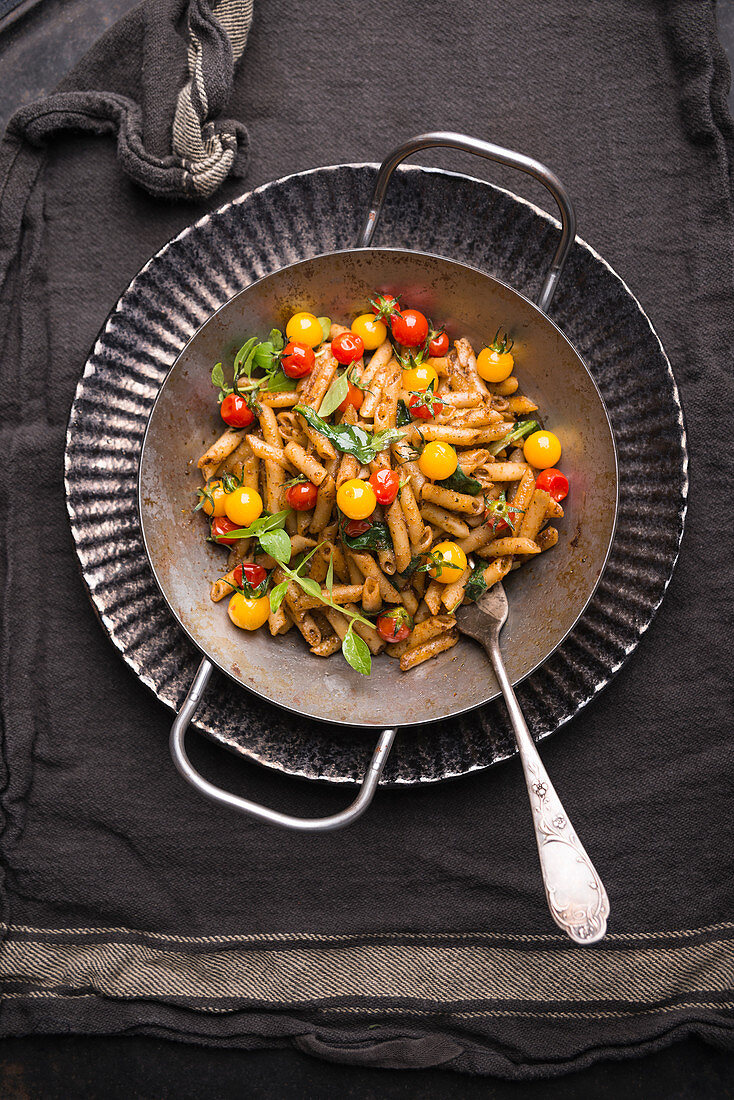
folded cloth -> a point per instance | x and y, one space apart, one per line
419 936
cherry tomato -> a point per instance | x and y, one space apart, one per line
248 613
554 482
236 412
297 360
419 378
221 526
304 328
356 527
409 327
495 363
347 347
384 305
542 450
385 485
424 410
214 493
395 625
438 344
356 498
355 397
438 460
249 573
243 506
450 562
302 497
371 331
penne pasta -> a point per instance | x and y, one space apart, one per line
418 654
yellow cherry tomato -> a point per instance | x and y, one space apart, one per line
243 506
247 613
356 498
371 331
494 366
418 379
542 450
214 492
438 460
304 328
450 562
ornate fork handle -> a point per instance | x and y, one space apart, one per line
576 896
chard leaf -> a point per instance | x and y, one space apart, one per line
356 652
335 394
525 427
376 537
461 483
350 438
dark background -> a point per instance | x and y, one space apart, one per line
40 40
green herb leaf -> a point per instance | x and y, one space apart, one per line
278 382
330 577
335 394
277 544
356 652
325 323
476 586
311 586
376 537
243 358
258 526
525 427
218 375
276 339
459 482
413 565
403 417
277 595
350 438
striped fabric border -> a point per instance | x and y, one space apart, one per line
467 974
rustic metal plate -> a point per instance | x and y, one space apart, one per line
307 215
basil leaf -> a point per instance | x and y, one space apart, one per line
277 595
476 586
325 323
356 653
518 432
243 358
276 339
350 438
263 356
461 483
377 537
403 416
411 567
218 375
330 577
279 382
311 586
277 544
264 523
335 394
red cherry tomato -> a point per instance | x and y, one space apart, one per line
221 526
347 348
395 625
356 527
236 412
355 397
302 497
410 328
438 344
297 360
554 483
384 305
420 408
385 484
249 573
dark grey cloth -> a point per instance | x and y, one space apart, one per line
131 904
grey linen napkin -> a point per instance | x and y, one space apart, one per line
419 936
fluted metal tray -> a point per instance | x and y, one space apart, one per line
303 216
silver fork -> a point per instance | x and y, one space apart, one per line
576 896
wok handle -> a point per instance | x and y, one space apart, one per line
484 149
243 805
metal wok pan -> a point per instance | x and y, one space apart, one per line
547 596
